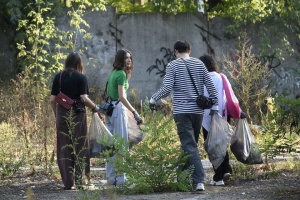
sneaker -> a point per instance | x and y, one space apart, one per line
226 176
200 187
217 183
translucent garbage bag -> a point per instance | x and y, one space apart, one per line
98 131
243 144
217 140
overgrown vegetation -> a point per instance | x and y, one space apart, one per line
249 77
277 23
152 165
25 99
27 123
280 128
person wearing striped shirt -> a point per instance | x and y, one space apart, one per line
187 115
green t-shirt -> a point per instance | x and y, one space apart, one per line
115 78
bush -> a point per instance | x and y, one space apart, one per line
152 165
11 154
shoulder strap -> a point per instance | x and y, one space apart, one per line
105 92
105 96
190 76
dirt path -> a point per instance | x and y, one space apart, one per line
285 186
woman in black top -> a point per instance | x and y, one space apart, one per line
72 143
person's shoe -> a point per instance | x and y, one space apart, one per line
200 187
217 183
226 176
70 188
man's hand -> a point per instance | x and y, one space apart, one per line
96 109
137 117
243 115
212 112
152 105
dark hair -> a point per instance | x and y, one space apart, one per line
182 46
74 61
120 64
209 63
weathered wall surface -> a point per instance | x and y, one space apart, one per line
150 38
7 54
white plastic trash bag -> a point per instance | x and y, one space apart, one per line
98 131
218 139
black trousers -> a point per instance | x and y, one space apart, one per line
224 167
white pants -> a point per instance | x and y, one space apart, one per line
116 124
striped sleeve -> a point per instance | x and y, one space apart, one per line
168 83
178 81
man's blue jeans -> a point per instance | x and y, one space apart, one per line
188 128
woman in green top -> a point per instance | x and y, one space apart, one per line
117 123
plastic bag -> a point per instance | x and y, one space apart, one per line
98 131
243 144
218 139
232 103
135 133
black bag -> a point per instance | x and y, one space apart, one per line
204 102
106 106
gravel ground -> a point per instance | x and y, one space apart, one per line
23 186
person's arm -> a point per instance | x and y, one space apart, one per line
53 104
123 99
167 86
88 102
126 103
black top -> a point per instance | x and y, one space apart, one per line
73 84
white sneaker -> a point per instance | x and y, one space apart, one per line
226 176
200 187
217 183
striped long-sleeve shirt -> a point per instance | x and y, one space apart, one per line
178 80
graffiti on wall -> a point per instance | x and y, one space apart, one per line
161 64
273 63
272 60
206 39
115 32
287 81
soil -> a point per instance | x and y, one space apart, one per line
285 185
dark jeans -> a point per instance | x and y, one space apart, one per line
188 128
224 167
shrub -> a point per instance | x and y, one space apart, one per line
152 165
11 154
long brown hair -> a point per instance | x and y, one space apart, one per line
120 64
74 61
209 63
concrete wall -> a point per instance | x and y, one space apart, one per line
150 38
7 54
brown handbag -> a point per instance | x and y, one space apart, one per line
63 99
